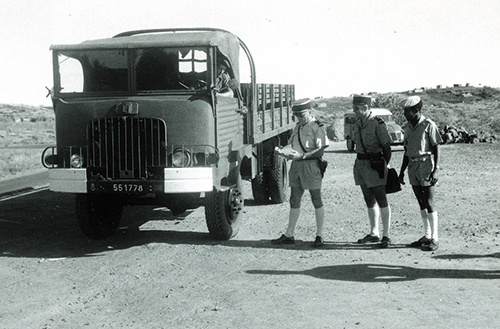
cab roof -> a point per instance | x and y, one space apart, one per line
227 43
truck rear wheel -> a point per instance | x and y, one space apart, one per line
278 182
223 212
350 144
259 189
98 217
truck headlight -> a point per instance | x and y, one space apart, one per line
181 158
76 161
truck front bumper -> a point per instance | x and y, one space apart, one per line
175 180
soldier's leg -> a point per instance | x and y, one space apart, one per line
319 210
422 195
385 209
295 198
432 215
373 210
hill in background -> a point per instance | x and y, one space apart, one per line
473 109
26 125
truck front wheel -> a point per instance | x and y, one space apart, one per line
223 212
98 217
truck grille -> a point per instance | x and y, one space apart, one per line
126 147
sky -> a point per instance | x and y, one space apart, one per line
325 47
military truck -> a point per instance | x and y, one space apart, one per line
395 130
159 117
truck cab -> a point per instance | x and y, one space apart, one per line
395 130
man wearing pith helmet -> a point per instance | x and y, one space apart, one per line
421 158
306 146
373 153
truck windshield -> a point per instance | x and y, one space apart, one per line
154 70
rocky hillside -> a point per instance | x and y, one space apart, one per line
26 125
471 109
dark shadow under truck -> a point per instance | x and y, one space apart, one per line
142 119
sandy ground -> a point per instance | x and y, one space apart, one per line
161 271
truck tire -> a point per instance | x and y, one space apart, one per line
98 217
350 144
278 182
223 212
259 189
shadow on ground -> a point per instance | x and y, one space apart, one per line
383 273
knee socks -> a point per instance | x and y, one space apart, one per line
425 220
319 213
292 221
433 221
373 215
385 213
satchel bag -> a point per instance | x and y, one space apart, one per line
322 166
393 184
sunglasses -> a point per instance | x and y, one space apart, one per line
300 115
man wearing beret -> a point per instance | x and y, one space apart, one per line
421 158
373 153
307 144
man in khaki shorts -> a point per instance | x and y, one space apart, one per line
421 157
307 144
373 153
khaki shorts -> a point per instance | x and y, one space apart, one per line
364 174
419 172
305 174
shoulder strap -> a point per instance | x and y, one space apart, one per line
361 137
300 142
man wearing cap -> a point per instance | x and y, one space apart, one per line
373 153
421 158
307 143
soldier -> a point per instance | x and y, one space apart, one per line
421 157
373 153
307 142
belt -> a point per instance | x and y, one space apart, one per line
362 156
307 159
421 158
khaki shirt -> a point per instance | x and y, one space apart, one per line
374 134
312 137
420 140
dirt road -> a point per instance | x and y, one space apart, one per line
160 271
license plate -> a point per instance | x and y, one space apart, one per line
130 188
134 187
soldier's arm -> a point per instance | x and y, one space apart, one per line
316 153
386 151
404 165
434 174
